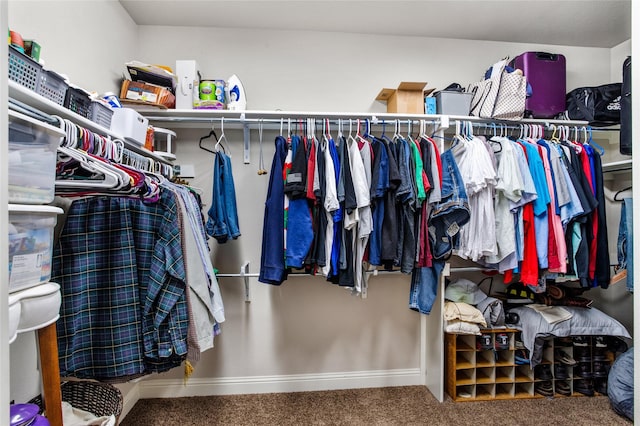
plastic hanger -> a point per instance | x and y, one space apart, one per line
222 140
212 132
615 197
593 144
110 178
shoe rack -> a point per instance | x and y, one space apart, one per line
474 374
588 377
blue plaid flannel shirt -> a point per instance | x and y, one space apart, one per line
120 268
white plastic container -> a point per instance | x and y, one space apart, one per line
30 244
39 306
129 124
32 159
14 316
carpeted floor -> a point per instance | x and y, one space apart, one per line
408 405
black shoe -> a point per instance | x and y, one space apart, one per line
564 357
502 341
544 388
543 372
600 342
585 387
563 388
483 342
600 386
560 372
563 341
580 341
582 353
583 370
600 369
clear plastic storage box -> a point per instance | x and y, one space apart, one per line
32 159
30 244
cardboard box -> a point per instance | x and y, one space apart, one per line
407 98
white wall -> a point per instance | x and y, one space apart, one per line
618 54
89 40
342 72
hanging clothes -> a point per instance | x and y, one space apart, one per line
223 214
120 266
272 260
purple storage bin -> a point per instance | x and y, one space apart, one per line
546 73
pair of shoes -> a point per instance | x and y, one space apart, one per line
582 353
600 386
600 369
564 357
483 342
544 388
600 349
583 370
580 341
521 357
543 372
560 372
518 344
563 388
502 341
584 387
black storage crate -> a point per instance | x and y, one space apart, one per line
78 101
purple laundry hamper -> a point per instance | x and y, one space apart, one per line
547 75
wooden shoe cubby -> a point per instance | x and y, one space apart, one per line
478 375
473 374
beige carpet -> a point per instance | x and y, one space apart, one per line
408 405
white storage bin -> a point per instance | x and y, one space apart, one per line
129 124
39 306
14 317
32 159
30 244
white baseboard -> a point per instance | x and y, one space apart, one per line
285 383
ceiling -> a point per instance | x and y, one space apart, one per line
588 23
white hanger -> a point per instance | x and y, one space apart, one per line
222 140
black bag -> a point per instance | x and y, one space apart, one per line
599 105
625 109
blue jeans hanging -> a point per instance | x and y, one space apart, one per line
223 214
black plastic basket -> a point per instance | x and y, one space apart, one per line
78 101
101 114
52 86
23 70
101 399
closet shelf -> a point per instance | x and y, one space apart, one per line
22 94
195 117
617 166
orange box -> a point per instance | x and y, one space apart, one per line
147 93
408 98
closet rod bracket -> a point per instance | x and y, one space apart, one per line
244 271
247 142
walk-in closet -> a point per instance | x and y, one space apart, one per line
310 70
